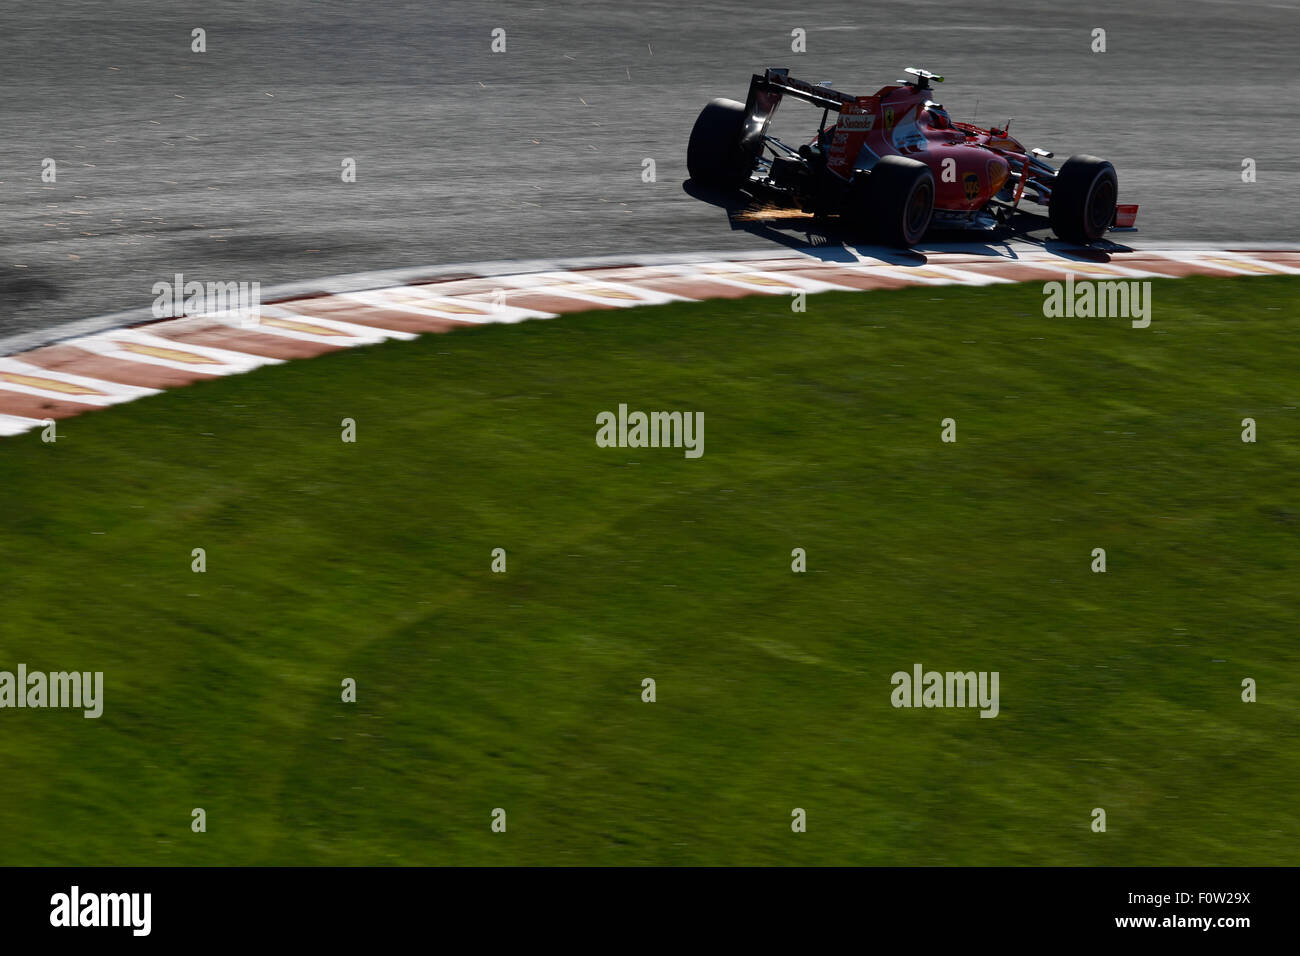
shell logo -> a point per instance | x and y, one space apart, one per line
457 308
171 355
48 384
749 278
602 293
1088 269
1241 264
753 279
581 288
307 327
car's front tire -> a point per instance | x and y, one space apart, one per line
1083 199
713 155
895 202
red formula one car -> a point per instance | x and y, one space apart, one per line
893 164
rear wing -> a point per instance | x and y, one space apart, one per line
766 91
780 83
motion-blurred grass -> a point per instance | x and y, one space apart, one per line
328 560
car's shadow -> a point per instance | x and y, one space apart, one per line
825 239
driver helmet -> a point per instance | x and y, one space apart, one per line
939 118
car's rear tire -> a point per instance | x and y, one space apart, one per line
713 155
895 202
1083 199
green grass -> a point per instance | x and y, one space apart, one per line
328 560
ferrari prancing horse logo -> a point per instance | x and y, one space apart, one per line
889 118
971 183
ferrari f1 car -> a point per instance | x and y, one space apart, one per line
894 163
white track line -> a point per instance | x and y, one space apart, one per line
16 424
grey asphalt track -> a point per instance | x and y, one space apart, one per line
225 165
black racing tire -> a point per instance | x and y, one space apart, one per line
713 155
1083 200
895 202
